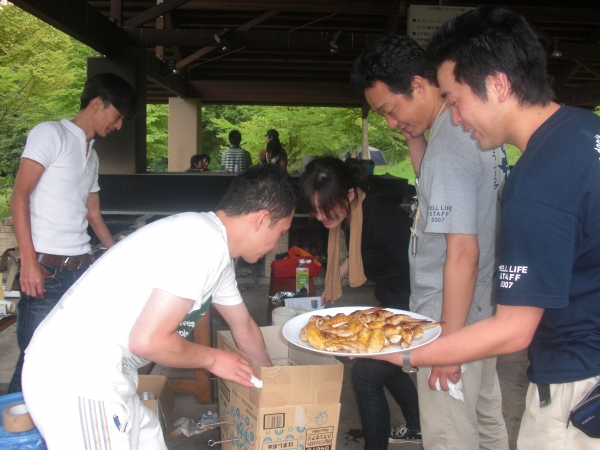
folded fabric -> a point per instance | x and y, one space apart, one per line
455 390
356 275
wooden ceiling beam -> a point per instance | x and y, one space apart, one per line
584 95
79 20
311 6
392 24
203 51
590 69
258 92
580 52
169 25
541 14
567 71
298 40
154 12
175 84
116 12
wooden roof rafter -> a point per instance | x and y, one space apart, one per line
293 46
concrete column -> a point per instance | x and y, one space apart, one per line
185 125
365 131
124 151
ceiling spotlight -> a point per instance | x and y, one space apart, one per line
335 43
555 51
223 36
172 65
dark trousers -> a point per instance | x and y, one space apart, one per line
32 311
370 377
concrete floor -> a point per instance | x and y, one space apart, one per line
511 371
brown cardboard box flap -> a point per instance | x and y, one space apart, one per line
309 379
159 386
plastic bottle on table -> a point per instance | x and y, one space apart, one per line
302 276
236 168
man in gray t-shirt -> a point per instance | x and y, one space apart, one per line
452 263
458 191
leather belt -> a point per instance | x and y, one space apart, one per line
67 262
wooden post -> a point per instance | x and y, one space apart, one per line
365 131
185 126
159 51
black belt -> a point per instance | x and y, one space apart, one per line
67 262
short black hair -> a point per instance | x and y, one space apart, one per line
235 138
331 178
113 90
487 41
195 159
204 156
394 60
273 133
264 187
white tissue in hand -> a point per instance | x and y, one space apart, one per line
256 382
455 390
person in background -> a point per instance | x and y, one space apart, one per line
377 233
235 158
55 197
80 374
492 72
452 263
274 152
199 163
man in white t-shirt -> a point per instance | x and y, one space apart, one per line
133 306
55 197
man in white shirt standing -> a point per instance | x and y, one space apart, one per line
137 304
55 197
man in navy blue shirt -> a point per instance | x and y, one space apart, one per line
492 71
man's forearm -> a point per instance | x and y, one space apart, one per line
509 331
252 343
460 279
102 232
22 226
94 218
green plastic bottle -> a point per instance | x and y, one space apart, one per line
302 276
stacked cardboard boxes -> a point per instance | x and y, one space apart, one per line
298 406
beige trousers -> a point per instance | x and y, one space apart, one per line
546 428
450 424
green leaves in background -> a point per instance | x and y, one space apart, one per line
42 72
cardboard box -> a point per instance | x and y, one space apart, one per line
164 402
307 303
298 406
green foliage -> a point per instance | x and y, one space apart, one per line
5 193
307 131
512 153
42 72
157 137
403 169
213 143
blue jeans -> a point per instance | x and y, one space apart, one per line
32 311
369 378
